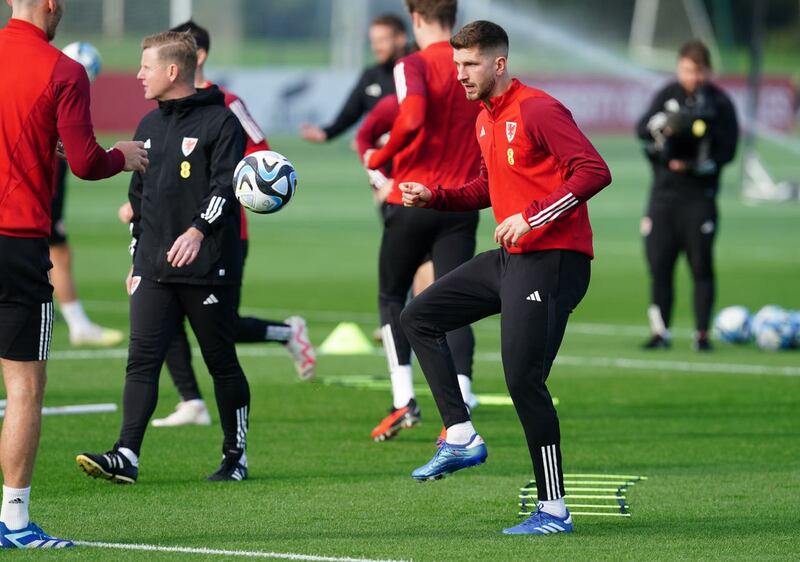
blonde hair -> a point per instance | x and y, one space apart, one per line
175 47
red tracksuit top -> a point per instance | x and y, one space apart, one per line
535 161
255 137
45 95
431 141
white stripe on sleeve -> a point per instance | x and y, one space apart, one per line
248 123
400 86
549 213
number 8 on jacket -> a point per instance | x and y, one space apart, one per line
264 182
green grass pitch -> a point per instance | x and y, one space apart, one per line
717 435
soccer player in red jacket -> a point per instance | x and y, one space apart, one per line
431 141
537 171
45 97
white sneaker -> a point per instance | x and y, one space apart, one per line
301 349
190 412
94 335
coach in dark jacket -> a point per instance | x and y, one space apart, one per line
185 227
195 144
388 40
690 132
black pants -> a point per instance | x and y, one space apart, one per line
247 330
535 294
156 311
410 237
677 226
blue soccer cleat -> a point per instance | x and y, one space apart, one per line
542 523
450 458
30 537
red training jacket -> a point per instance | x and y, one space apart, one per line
45 96
377 123
255 137
535 161
431 140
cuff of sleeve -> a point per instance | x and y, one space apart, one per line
203 226
530 212
117 159
437 198
330 133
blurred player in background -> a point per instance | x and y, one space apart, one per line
292 333
431 139
45 97
186 262
691 132
389 41
537 171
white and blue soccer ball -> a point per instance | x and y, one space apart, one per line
772 328
732 324
264 182
794 320
87 55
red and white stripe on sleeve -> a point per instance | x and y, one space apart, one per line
248 123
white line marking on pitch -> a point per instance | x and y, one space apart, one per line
584 328
242 553
566 360
70 410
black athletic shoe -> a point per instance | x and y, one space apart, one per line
112 466
657 342
703 344
233 467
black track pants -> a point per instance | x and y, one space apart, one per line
535 294
156 311
672 227
248 330
410 235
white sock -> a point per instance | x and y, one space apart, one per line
130 455
460 433
657 325
554 507
402 385
465 384
14 513
75 316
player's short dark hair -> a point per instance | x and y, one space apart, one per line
392 21
442 12
697 52
200 34
486 35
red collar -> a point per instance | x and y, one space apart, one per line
499 102
23 26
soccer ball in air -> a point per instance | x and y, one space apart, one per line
87 55
794 320
772 328
264 182
732 324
